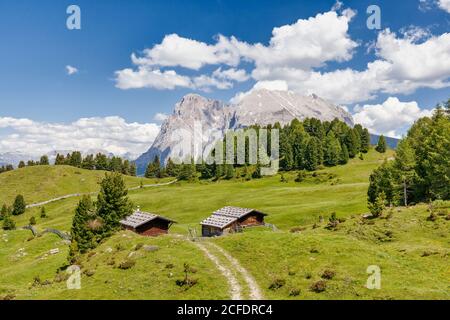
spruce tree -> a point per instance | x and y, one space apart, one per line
229 171
313 154
44 161
21 164
381 146
171 168
81 233
365 141
344 155
8 223
153 169
3 212
19 205
332 152
113 204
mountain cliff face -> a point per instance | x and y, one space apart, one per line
198 122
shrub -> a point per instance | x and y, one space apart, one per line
89 272
187 282
138 246
328 274
294 292
377 208
301 175
43 213
32 221
8 223
127 264
297 229
432 217
318 286
277 284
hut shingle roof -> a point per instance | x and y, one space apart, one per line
138 218
226 215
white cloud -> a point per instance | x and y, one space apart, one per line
238 75
178 51
145 77
112 134
390 118
71 70
294 55
160 117
444 5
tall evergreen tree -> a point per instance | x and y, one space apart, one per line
88 162
313 154
112 202
365 141
171 168
44 161
381 146
21 164
19 205
153 169
81 232
332 152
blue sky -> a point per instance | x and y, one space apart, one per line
37 47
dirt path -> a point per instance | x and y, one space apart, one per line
93 193
235 287
255 291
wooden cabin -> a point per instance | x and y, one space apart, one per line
147 224
230 219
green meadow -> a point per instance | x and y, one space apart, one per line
411 251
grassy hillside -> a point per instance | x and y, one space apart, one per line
23 261
411 251
341 189
40 183
413 255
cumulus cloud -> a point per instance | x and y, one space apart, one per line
444 5
295 55
112 134
390 118
160 117
71 70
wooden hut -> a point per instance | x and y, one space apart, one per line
229 219
147 224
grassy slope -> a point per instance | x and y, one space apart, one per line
288 204
348 251
40 183
150 278
413 261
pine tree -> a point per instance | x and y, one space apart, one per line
313 154
101 162
112 202
81 233
60 160
229 171
257 173
378 206
19 205
88 162
171 168
43 213
153 169
133 169
352 142
44 161
126 167
405 164
21 164
365 141
8 223
344 155
381 146
333 150
76 159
